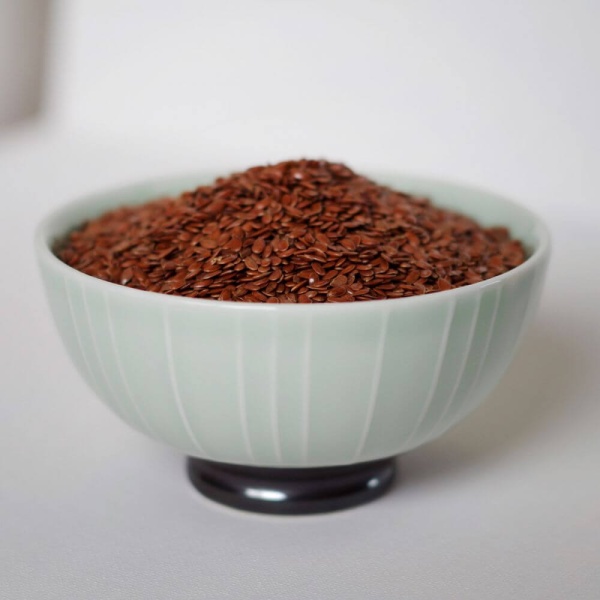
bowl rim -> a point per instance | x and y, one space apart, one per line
43 238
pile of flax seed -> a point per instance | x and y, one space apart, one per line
298 231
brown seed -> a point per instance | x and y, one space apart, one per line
317 268
209 243
251 263
412 277
338 292
296 232
234 244
339 281
193 270
258 246
280 244
275 275
223 238
211 267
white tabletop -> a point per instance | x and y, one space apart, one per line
507 505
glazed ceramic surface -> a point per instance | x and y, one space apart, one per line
294 385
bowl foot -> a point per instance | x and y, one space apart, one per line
291 491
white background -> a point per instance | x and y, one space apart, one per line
503 95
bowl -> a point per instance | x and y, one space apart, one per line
284 407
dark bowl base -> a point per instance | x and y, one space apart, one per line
295 491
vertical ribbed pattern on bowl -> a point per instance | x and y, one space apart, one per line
287 388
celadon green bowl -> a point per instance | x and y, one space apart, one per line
289 385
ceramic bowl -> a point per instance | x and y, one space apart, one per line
294 386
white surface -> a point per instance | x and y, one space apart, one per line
502 95
506 505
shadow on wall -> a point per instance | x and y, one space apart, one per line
538 388
23 52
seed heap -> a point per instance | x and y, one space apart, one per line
299 231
